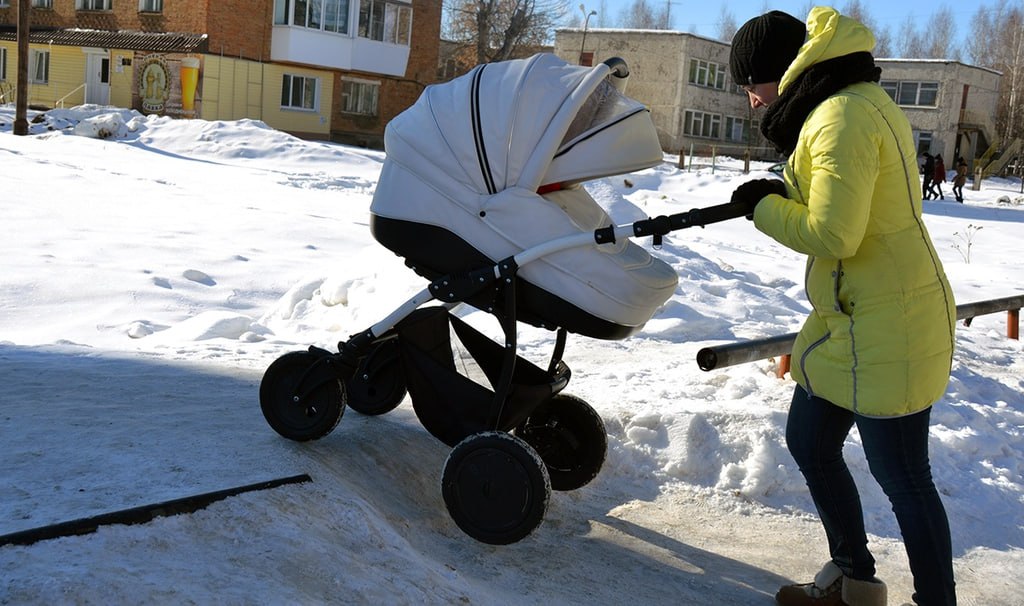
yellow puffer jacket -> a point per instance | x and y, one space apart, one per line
879 338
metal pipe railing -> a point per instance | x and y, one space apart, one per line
60 102
719 356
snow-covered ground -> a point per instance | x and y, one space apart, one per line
152 269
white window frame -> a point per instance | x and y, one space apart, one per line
738 129
912 93
42 3
387 21
707 73
151 6
360 97
708 125
5 4
92 5
312 14
38 66
309 92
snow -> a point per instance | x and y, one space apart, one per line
153 268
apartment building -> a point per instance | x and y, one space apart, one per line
684 80
323 69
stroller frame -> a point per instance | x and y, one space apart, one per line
495 484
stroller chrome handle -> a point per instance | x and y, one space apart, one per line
619 72
618 66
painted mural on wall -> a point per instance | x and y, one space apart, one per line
167 84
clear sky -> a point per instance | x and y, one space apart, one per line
702 17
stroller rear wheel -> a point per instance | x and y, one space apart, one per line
495 487
291 413
570 437
378 385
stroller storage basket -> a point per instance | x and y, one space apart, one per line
452 406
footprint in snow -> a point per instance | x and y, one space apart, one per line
197 276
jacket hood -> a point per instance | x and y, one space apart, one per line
829 35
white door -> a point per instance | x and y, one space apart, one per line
97 78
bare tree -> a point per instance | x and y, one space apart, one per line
726 24
980 45
497 30
910 43
642 15
604 18
941 30
856 10
997 42
883 42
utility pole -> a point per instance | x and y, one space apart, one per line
21 97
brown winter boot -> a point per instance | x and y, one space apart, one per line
831 588
826 590
864 593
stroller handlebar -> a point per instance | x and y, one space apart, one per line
698 217
618 66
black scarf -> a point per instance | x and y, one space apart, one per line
786 115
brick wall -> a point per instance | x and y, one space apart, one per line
240 28
178 16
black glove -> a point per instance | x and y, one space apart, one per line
751 192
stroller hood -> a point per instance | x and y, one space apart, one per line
522 123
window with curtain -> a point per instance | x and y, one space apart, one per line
707 73
39 66
324 15
359 97
385 21
298 92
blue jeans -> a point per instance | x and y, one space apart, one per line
897 453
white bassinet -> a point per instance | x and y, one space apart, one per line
459 189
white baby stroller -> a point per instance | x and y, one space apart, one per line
480 195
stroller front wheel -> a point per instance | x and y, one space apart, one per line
496 487
378 385
299 399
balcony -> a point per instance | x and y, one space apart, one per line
338 51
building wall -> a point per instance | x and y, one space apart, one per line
311 124
238 81
67 71
238 28
177 16
945 121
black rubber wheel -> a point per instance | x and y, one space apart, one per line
570 437
496 487
316 415
378 385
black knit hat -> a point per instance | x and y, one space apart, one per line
764 47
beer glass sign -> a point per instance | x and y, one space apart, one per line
167 84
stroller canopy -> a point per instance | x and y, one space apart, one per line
523 123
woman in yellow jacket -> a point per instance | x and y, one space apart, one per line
877 347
